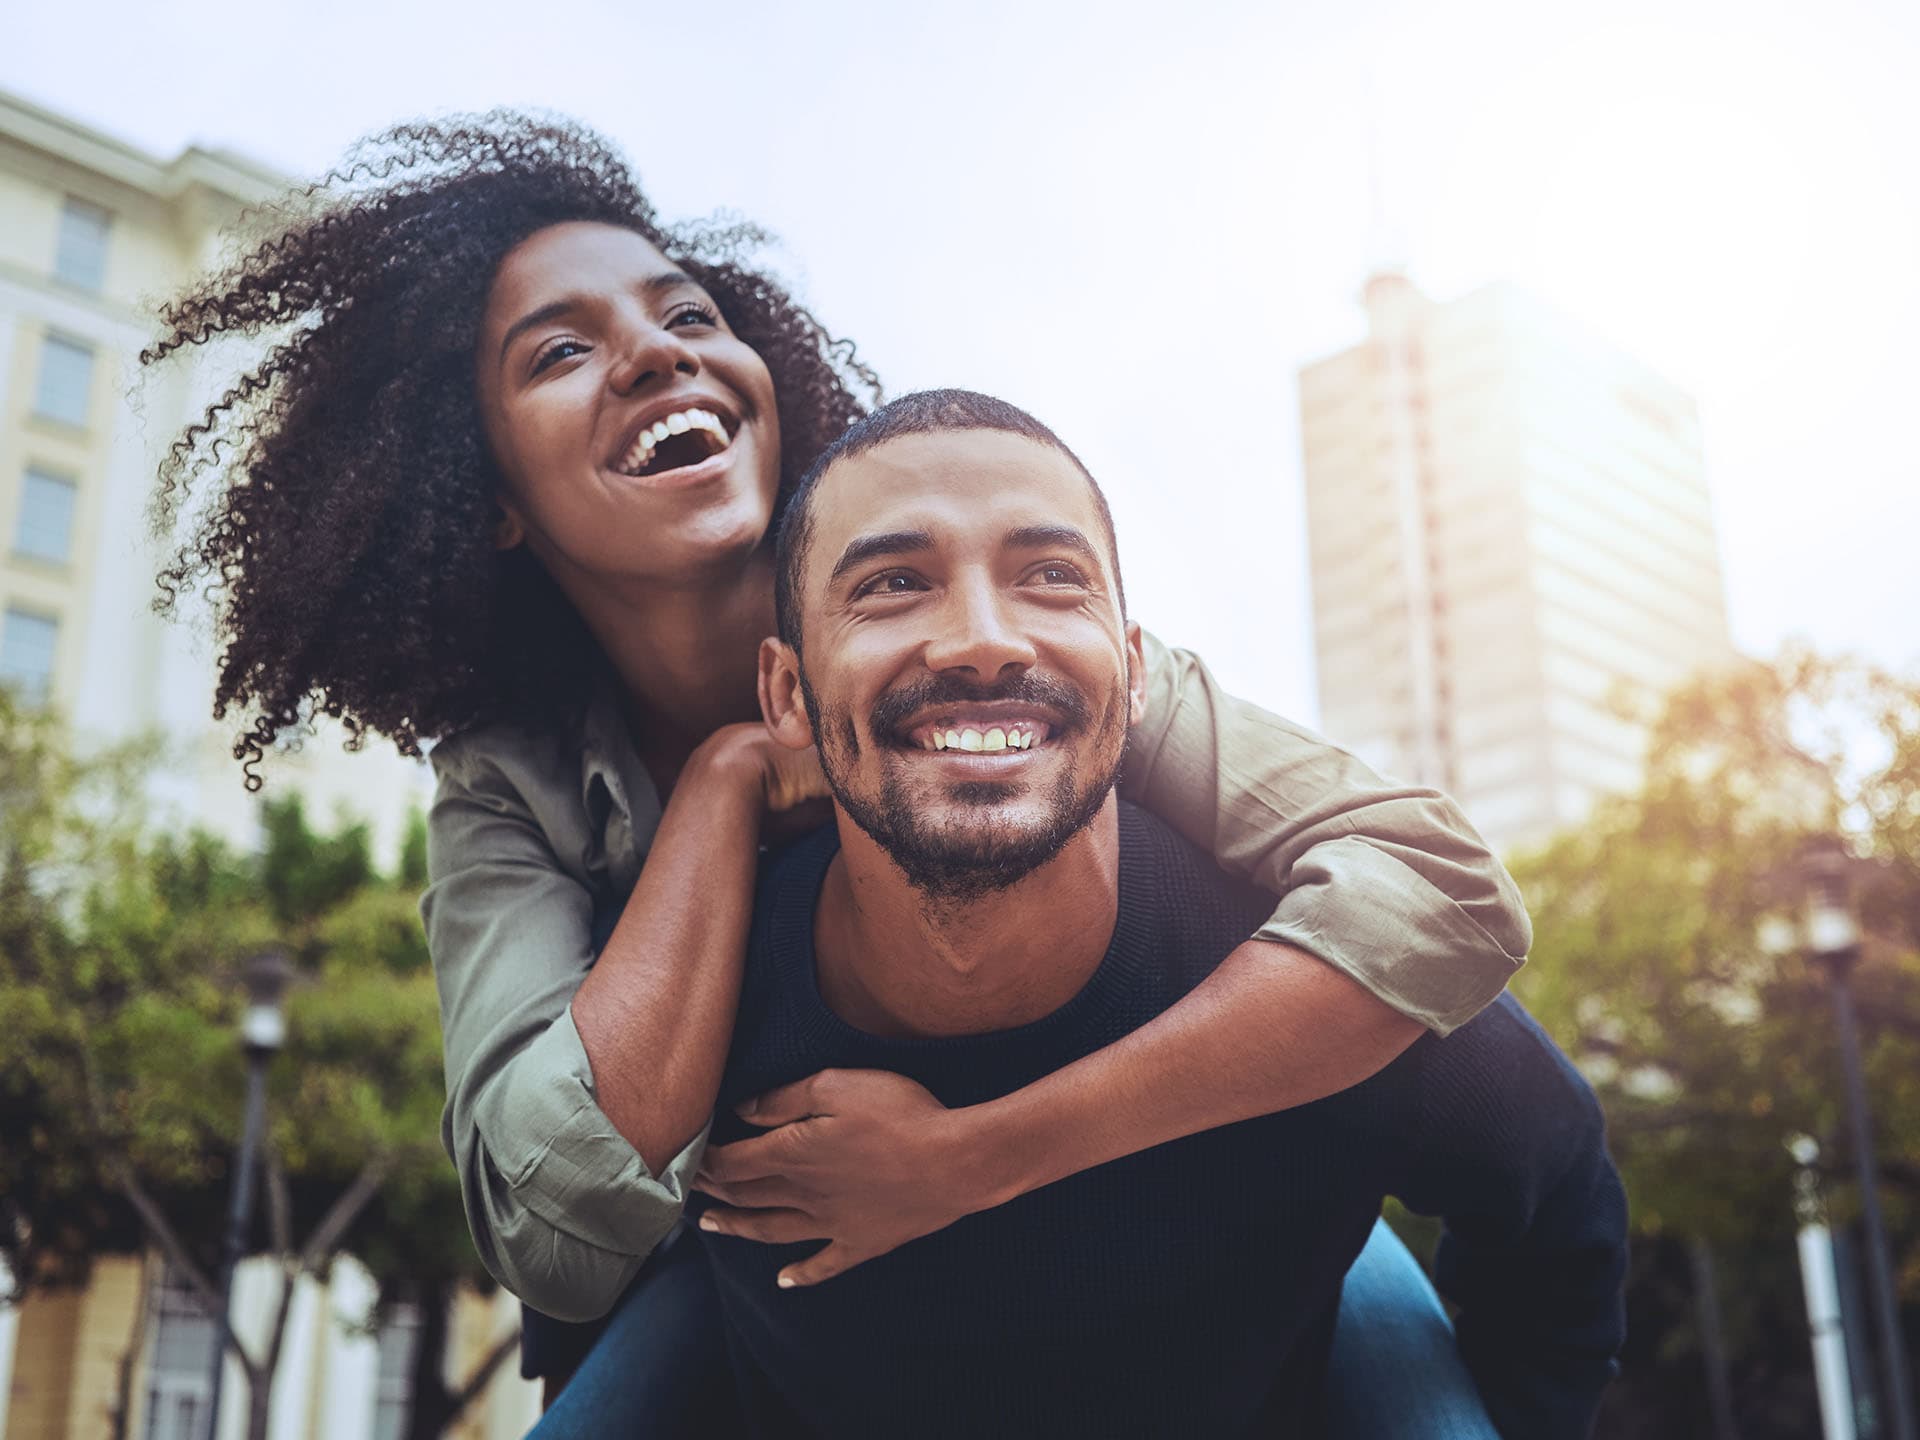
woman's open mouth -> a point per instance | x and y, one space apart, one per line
677 441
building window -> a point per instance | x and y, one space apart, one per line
81 256
27 643
393 1395
45 531
184 1337
66 380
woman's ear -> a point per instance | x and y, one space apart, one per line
781 704
509 530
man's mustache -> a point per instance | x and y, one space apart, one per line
1064 703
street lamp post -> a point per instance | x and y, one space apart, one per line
1833 941
263 1030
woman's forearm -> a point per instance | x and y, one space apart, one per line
657 1010
1271 1028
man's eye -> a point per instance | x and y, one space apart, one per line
1058 572
894 582
555 352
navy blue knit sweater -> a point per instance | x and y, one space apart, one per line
1189 1290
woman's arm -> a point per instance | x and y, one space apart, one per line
578 1092
1393 917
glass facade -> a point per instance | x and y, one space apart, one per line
179 1366
66 381
45 527
27 645
80 255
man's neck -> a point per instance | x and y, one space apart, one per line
894 962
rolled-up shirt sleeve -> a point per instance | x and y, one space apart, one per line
562 1209
1387 882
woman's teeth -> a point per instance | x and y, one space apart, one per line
1017 737
679 422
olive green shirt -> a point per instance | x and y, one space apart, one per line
534 844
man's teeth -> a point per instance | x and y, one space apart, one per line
968 738
678 423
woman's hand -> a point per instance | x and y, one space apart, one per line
790 783
864 1159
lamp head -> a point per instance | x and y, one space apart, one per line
1832 928
266 976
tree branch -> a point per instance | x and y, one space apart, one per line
481 1376
156 1222
344 1211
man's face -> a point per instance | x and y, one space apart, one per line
966 670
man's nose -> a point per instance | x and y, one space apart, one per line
978 633
650 352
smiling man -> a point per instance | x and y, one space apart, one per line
985 911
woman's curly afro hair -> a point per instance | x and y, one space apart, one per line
349 550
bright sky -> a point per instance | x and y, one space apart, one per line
1139 221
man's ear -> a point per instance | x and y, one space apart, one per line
781 704
1136 675
509 530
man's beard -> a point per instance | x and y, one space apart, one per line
962 862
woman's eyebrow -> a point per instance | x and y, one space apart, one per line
651 286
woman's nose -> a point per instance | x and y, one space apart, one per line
652 352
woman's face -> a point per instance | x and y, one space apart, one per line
636 433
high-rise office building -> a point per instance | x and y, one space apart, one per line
1508 525
93 232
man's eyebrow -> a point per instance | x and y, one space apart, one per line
652 286
1051 537
892 542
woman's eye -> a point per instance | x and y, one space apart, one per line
894 582
693 314
557 351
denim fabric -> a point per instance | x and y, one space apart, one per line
661 1368
1395 1373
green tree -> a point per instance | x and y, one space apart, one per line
122 1079
1665 963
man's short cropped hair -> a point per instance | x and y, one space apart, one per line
925 412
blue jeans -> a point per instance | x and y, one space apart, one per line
1395 1373
660 1368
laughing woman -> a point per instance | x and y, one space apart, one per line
504 480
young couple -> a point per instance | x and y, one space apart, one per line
508 478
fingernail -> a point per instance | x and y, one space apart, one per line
707 1222
747 1108
787 1282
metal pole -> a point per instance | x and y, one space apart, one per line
1706 1299
1830 1373
239 1215
1879 1263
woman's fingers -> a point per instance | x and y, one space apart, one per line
835 1259
773 1193
773 1227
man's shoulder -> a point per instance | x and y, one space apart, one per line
1500 1067
1168 881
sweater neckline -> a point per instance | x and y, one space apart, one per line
796 900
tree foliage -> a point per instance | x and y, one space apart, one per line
120 997
1666 960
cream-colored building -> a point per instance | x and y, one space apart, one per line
338 1376
1508 524
92 232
